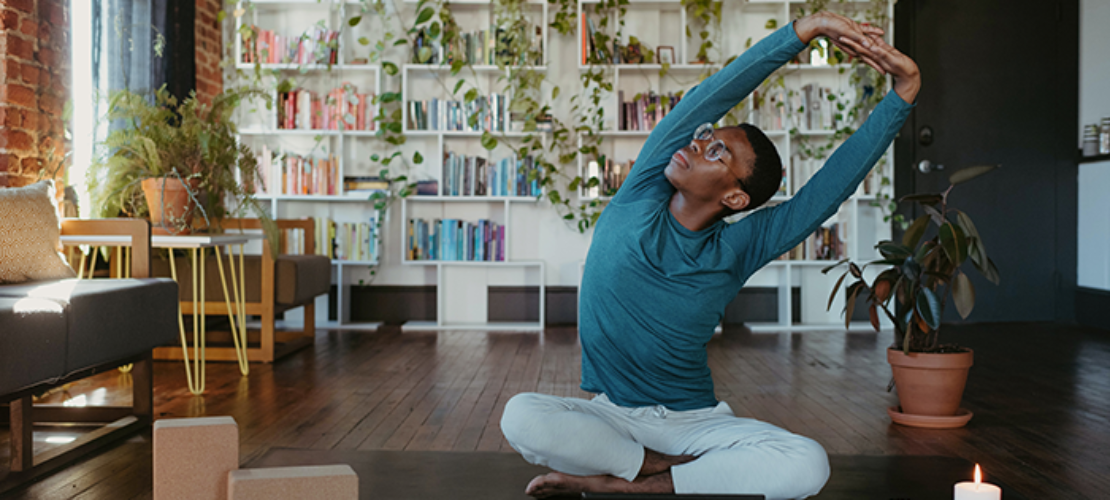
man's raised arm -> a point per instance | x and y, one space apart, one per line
771 232
709 101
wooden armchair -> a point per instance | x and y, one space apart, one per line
275 282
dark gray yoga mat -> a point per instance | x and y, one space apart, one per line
425 475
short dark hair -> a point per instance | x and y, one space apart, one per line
766 176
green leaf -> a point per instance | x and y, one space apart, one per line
924 199
489 141
434 30
374 157
928 306
850 305
954 242
913 235
935 214
836 288
401 41
911 268
834 266
417 158
471 95
424 54
966 174
221 16
363 40
390 68
458 85
555 93
771 24
963 294
990 271
968 226
891 250
352 22
424 15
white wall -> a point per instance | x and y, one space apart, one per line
1093 263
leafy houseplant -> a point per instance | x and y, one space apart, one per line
168 143
921 274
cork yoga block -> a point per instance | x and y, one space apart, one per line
324 482
192 457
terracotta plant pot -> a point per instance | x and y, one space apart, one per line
930 385
171 208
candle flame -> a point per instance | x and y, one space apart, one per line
978 475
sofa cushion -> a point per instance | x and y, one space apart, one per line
32 342
297 278
109 319
310 275
29 232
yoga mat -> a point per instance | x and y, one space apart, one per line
434 475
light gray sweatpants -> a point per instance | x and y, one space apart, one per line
735 455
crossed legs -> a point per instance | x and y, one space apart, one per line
596 446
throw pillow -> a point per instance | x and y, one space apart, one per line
29 231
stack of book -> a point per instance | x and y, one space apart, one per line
291 174
344 108
796 253
827 243
364 186
352 241
645 110
475 176
610 176
435 114
455 240
592 51
480 47
316 46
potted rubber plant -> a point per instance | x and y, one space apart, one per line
176 161
921 274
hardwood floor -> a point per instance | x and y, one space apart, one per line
1040 393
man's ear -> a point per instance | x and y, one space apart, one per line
736 200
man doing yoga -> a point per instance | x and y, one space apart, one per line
661 269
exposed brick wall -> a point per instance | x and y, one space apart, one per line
209 47
34 87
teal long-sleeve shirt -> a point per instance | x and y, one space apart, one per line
654 291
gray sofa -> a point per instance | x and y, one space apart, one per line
55 332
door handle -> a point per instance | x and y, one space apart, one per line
926 166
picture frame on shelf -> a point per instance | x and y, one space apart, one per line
665 54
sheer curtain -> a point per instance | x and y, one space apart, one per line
137 45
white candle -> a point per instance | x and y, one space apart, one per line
977 490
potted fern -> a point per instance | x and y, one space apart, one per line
176 161
921 273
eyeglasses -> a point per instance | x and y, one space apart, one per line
716 149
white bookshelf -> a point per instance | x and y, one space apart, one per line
462 287
662 22
258 127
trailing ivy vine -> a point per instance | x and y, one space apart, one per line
554 144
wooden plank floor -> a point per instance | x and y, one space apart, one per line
1040 393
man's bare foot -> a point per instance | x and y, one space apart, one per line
655 462
559 484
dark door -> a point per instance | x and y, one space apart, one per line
1000 85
